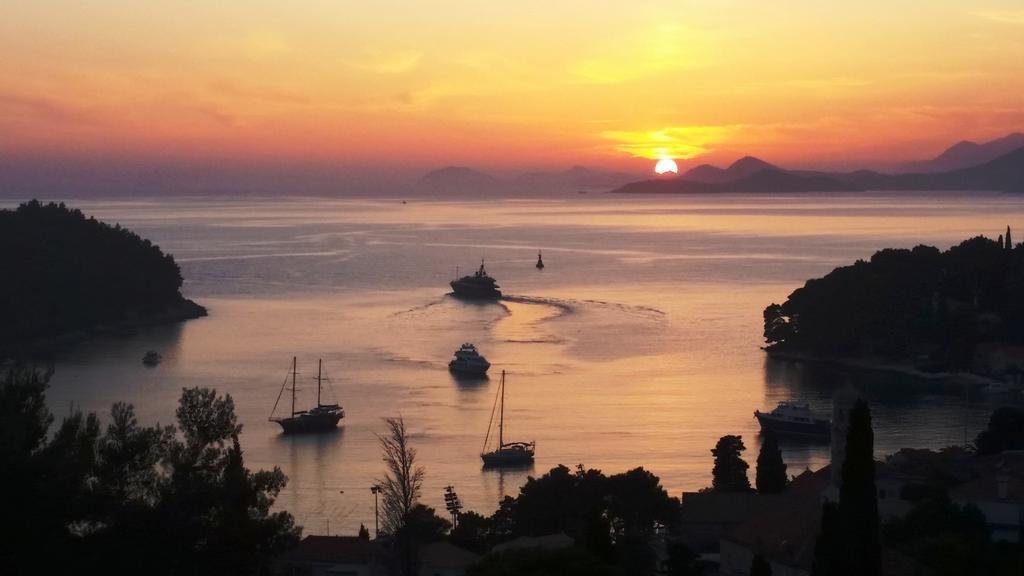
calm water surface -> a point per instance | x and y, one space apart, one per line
639 344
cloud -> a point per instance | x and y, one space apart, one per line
42 108
388 61
680 142
666 48
1004 16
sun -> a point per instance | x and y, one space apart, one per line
666 165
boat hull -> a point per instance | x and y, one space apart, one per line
769 423
310 423
474 290
508 458
461 369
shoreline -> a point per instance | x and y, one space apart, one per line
969 378
185 309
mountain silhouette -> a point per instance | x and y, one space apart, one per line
746 166
462 179
575 178
1004 174
458 179
766 180
965 154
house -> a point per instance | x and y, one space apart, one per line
444 559
705 517
549 542
333 556
997 489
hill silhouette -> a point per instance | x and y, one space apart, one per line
1004 173
742 168
458 179
941 309
64 272
965 154
465 180
766 180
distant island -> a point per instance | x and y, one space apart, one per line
961 310
997 165
465 180
65 274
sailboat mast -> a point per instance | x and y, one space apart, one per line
319 370
294 371
501 418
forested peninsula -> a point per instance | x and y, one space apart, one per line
959 310
65 274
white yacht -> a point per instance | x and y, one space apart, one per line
790 418
468 361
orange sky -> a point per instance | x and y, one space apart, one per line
508 85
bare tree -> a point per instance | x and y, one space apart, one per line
403 481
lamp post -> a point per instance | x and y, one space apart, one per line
376 515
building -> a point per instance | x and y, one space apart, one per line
444 559
334 556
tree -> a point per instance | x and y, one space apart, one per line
760 567
1009 240
827 552
132 496
364 533
730 471
771 470
403 481
858 503
1005 431
473 532
681 560
948 538
423 525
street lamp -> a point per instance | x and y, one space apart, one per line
376 515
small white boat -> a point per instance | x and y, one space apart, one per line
467 361
790 418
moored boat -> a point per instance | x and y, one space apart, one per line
320 418
790 418
506 454
152 358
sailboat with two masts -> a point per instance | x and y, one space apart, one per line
321 418
507 454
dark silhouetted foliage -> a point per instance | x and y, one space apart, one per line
64 272
538 562
947 538
730 471
614 518
1005 431
827 549
771 476
130 498
908 303
859 531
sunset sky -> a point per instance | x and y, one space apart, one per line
507 85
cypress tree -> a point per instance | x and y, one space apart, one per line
1009 240
859 528
760 566
826 547
730 471
771 470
